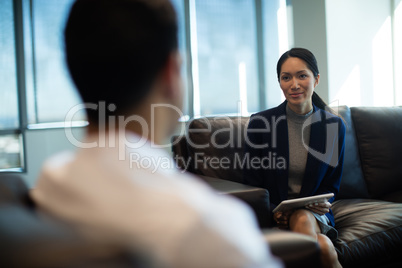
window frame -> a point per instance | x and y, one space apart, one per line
193 102
19 7
21 93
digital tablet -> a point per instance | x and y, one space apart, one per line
302 202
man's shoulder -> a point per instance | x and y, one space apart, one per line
143 205
56 166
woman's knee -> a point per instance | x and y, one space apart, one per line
303 221
302 217
327 247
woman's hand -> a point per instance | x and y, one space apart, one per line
282 219
319 208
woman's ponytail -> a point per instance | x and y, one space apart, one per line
317 101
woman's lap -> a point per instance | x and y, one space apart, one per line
321 221
326 228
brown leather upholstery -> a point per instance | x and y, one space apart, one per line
295 250
379 134
29 240
256 198
202 144
353 184
370 230
205 143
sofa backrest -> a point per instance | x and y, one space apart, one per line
214 146
372 168
353 184
13 190
379 135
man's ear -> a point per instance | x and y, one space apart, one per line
171 76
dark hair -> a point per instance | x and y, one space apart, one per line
311 61
115 49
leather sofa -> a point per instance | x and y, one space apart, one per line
368 207
32 239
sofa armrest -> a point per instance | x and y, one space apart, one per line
295 250
33 239
256 198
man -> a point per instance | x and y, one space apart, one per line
123 58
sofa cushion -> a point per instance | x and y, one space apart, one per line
179 149
292 247
370 232
13 190
393 197
379 132
353 184
215 146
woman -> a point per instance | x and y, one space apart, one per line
303 142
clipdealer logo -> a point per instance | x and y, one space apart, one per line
116 137
331 154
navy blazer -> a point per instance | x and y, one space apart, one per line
267 136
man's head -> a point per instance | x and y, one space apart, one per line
116 49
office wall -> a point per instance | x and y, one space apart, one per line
41 144
309 31
397 27
359 47
352 40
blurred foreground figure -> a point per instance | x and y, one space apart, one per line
120 185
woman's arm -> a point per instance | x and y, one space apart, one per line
332 178
254 148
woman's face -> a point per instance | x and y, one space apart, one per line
297 82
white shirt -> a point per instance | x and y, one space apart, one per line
141 198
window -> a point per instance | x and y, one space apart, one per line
11 152
221 43
226 51
180 6
50 91
224 46
397 27
10 135
231 42
8 101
